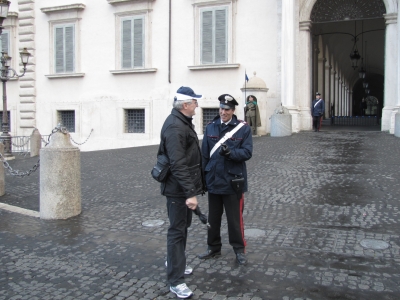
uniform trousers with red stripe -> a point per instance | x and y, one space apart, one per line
233 205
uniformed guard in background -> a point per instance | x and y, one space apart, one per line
252 113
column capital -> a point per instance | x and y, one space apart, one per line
305 26
390 18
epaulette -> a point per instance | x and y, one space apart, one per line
242 121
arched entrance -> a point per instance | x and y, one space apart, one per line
329 34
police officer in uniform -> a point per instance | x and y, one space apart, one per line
226 177
317 111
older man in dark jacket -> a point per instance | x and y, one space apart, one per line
226 147
181 145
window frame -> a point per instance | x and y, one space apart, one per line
145 15
10 25
59 15
59 118
76 53
8 32
230 6
126 127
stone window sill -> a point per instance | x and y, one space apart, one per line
132 71
65 75
209 67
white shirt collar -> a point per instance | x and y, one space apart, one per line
226 123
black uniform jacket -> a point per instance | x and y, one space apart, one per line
182 148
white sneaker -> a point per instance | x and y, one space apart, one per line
181 290
188 270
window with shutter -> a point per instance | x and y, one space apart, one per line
132 42
64 48
214 39
5 42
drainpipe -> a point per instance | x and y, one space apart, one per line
169 45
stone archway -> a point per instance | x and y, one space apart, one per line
304 67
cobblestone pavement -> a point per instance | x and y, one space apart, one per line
321 218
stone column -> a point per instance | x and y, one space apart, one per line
60 178
328 92
304 72
27 93
288 54
334 101
323 65
350 102
2 175
391 79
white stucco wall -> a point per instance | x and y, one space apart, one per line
99 97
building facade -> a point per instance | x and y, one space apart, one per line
114 65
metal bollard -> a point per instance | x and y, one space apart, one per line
60 178
2 175
36 142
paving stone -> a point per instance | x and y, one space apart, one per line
315 196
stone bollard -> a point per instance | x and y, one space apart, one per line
60 178
36 142
2 178
397 125
281 122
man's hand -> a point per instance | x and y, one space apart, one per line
191 203
224 150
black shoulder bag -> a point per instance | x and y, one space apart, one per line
161 169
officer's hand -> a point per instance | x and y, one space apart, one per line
224 150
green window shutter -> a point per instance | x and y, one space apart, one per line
132 43
69 49
138 43
220 36
126 40
214 36
64 48
59 50
207 37
5 42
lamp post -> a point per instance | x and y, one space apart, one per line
6 72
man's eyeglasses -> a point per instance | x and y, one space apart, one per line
195 102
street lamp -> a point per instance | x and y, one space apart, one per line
6 73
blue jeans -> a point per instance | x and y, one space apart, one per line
180 219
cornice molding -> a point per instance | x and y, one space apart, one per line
124 1
55 9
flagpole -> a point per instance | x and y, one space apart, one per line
245 77
245 81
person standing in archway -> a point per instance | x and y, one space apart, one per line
363 106
317 111
252 113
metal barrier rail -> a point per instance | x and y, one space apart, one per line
21 144
355 121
